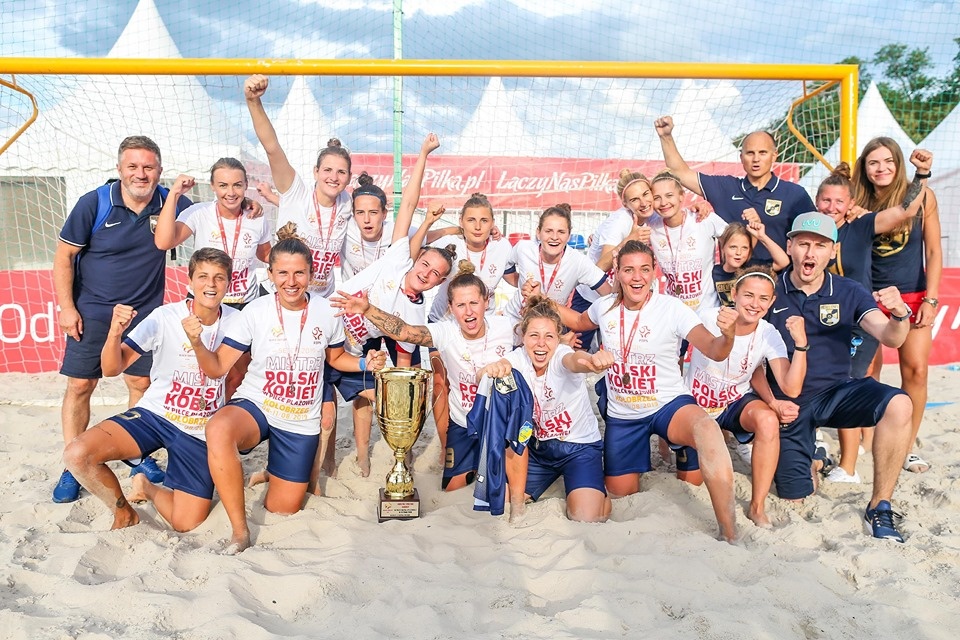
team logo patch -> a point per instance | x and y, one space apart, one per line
772 208
829 314
317 334
153 223
526 430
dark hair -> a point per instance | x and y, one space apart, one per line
448 253
139 142
367 188
563 210
212 256
539 307
839 177
476 200
228 163
289 243
466 278
335 148
759 270
629 248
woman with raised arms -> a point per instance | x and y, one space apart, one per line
643 393
723 388
290 336
466 340
321 214
173 411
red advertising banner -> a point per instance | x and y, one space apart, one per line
32 341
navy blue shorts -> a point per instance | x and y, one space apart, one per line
291 455
187 468
580 464
82 359
850 404
863 347
463 452
626 443
729 419
581 304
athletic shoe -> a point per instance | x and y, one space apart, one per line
149 468
745 451
823 456
67 489
913 460
881 521
839 475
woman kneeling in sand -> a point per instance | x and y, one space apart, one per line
172 412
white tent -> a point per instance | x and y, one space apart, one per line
699 138
873 120
494 128
945 182
301 126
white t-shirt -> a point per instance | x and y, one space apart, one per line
201 218
382 281
686 257
561 404
652 364
290 394
357 254
463 358
297 206
557 280
178 390
611 231
718 384
490 265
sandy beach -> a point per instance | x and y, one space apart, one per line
655 569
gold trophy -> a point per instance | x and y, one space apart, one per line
401 406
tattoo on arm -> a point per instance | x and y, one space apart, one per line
397 329
912 192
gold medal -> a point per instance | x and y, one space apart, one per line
203 404
625 378
678 289
291 391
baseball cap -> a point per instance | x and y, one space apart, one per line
814 222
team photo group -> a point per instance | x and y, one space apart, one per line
740 325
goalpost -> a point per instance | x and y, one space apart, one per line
527 133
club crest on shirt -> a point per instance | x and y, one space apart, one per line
317 334
247 238
501 351
829 314
548 393
691 243
772 207
277 332
153 223
526 430
644 332
187 347
492 269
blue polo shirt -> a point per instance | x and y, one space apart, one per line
778 203
829 316
119 264
854 247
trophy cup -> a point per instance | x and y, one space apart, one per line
401 405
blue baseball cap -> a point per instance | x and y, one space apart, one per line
814 222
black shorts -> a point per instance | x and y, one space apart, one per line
81 359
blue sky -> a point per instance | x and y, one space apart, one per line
815 31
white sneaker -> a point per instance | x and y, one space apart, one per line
745 451
839 475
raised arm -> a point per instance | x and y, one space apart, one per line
717 348
253 89
889 219
583 362
671 156
758 233
411 193
215 364
115 356
639 232
391 325
889 331
170 233
418 239
790 373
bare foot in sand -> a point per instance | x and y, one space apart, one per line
139 493
330 468
517 510
759 517
125 515
258 477
364 463
239 542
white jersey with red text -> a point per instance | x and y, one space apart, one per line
324 237
686 255
648 377
285 376
561 404
489 266
718 384
202 220
179 391
611 231
382 282
463 358
357 254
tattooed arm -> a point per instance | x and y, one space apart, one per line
391 325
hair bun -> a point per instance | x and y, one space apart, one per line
477 194
452 250
564 206
287 231
842 170
625 174
334 142
465 268
364 179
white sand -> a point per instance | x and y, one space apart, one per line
333 571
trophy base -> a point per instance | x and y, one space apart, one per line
398 508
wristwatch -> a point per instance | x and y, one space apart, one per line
933 302
922 176
900 318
